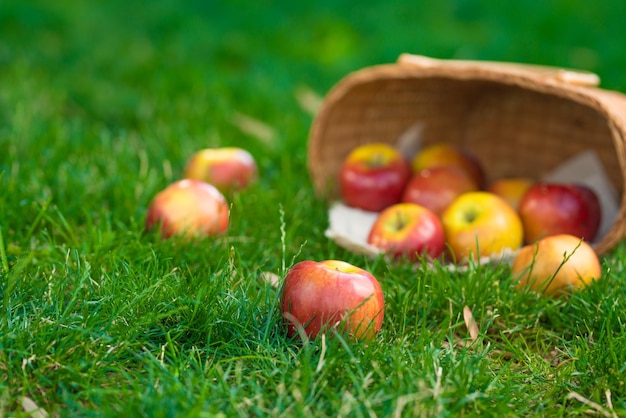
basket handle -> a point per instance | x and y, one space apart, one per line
572 77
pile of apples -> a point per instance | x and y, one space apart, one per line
438 205
196 206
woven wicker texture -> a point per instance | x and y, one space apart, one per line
518 120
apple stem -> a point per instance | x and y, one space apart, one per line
470 216
377 160
400 220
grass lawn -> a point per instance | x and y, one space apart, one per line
102 102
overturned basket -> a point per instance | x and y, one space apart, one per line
517 119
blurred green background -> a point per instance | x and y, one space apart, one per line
133 64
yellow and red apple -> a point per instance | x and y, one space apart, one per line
188 208
332 294
480 224
556 265
511 189
444 154
556 208
227 168
435 188
373 177
408 230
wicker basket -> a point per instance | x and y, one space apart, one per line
518 119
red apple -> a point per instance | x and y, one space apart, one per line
443 154
480 224
373 177
228 168
189 208
511 189
435 188
408 230
319 296
555 208
556 265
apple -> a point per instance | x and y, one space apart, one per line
556 265
558 208
435 188
373 177
228 168
318 296
408 230
511 189
188 208
443 154
479 224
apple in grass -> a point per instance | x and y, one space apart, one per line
188 208
319 296
444 154
435 188
557 208
479 224
556 265
408 230
373 177
227 168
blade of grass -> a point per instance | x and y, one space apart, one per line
3 254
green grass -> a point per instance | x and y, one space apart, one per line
100 105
